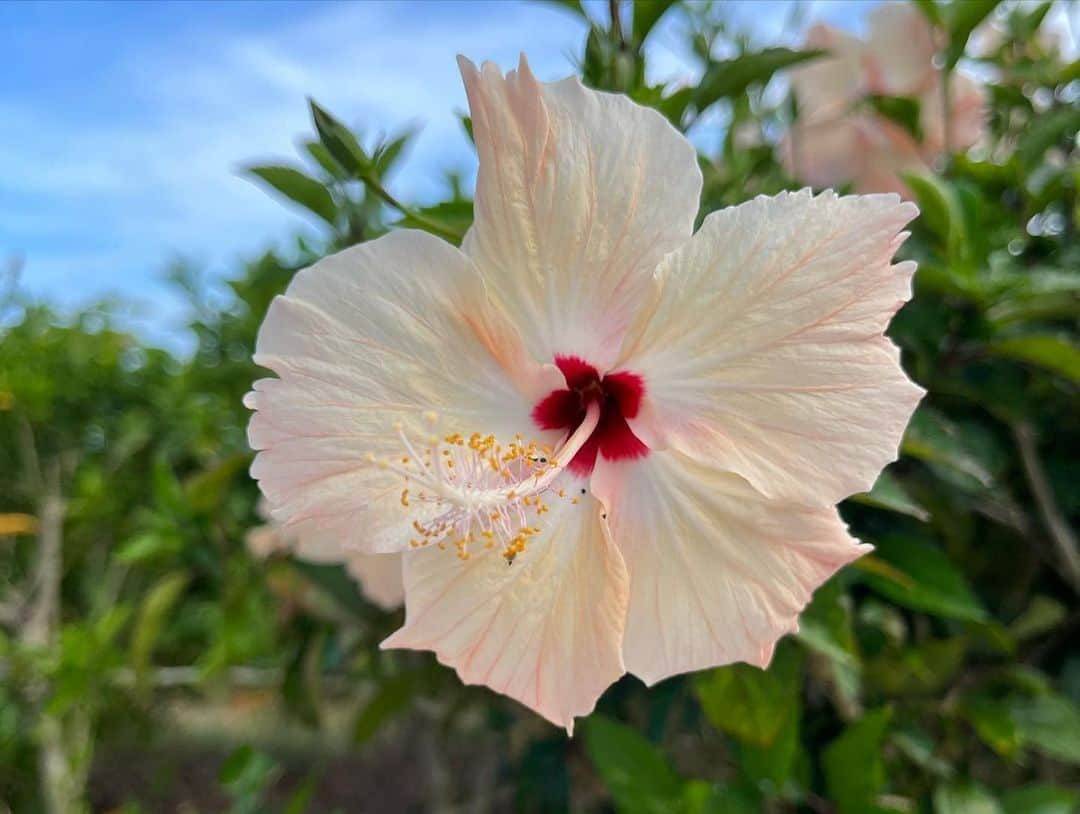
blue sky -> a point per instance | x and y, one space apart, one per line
124 124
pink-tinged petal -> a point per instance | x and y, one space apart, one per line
967 115
578 197
380 578
385 332
826 86
884 151
867 151
763 352
545 630
378 575
901 49
822 154
262 541
718 573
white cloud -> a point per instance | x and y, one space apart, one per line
99 198
124 193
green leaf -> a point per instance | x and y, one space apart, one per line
334 581
744 701
340 142
389 701
854 770
168 493
931 11
205 490
727 78
298 188
940 210
924 669
570 5
920 748
993 723
1049 723
703 798
1040 799
900 109
245 774
147 547
1041 616
1046 131
1069 73
827 628
453 217
1055 353
317 150
961 19
647 14
638 776
235 765
300 800
153 613
386 155
933 584
965 448
964 798
888 493
779 760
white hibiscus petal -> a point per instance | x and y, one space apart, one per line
901 48
578 197
718 573
827 86
822 153
764 355
545 630
380 578
381 333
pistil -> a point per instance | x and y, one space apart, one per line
475 491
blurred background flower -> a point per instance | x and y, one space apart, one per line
871 110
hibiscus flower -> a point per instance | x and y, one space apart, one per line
602 442
841 138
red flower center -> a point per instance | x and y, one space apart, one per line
619 395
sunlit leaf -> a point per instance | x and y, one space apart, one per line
647 14
854 769
728 78
744 701
961 19
1054 353
299 188
934 584
153 615
635 772
1040 798
1049 723
17 523
888 493
340 142
964 798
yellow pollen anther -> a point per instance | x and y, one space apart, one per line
483 493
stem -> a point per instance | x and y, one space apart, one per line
431 226
45 585
616 23
1061 535
64 741
946 123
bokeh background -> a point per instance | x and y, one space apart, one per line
163 173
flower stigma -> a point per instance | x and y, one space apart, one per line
476 491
